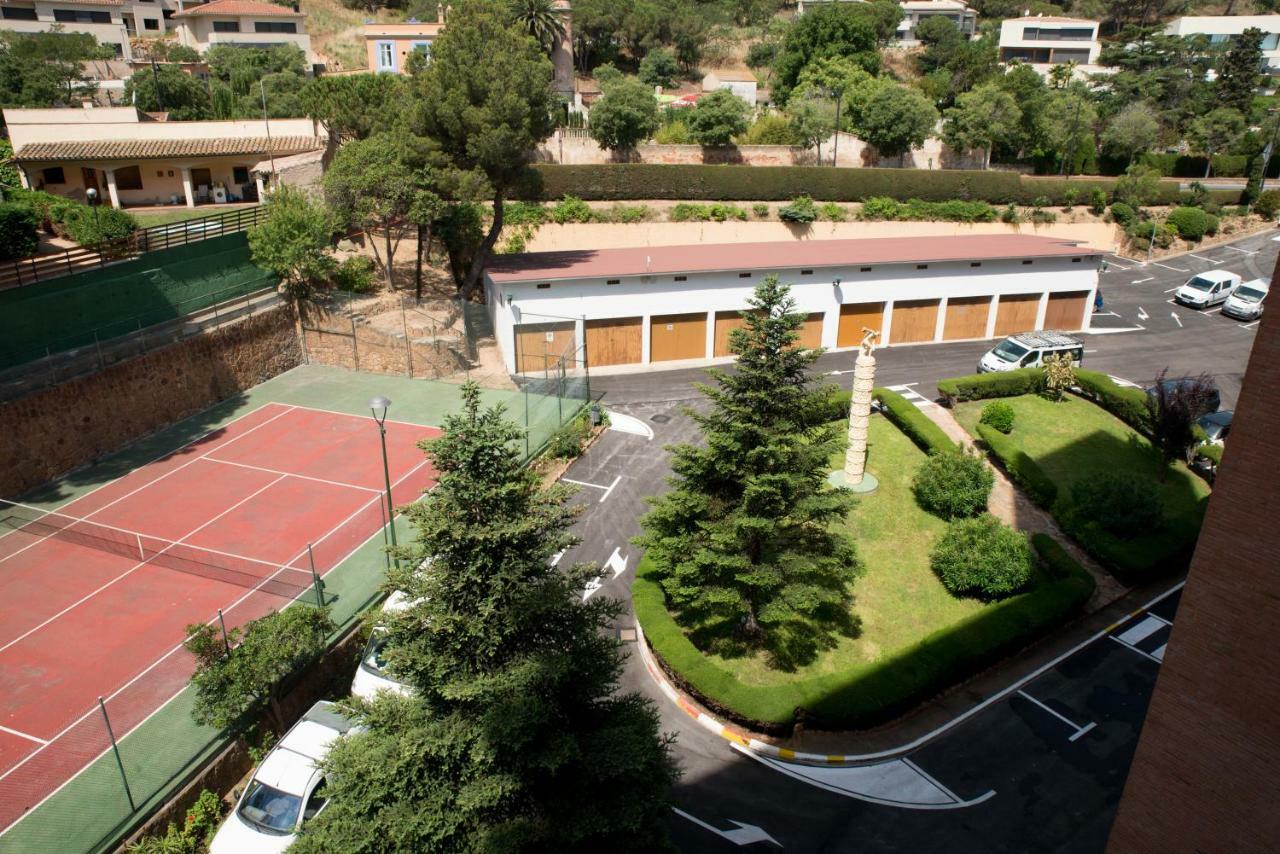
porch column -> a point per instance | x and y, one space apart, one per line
262 188
186 186
111 187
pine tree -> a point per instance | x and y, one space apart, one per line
745 543
515 737
1238 73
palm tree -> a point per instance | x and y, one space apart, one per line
540 19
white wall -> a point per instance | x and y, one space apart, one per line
712 292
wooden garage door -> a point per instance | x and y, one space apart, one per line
615 341
726 322
914 320
1017 313
540 345
966 317
677 336
1066 311
855 316
811 331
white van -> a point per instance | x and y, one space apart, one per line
1028 350
371 676
1245 302
1205 289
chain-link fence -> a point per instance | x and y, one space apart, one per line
554 396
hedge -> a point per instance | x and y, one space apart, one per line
18 231
1139 559
1127 404
994 384
1024 470
879 691
917 426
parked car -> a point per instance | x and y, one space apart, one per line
1028 350
1216 426
1212 405
371 675
1206 289
1245 302
286 790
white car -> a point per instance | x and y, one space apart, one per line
371 675
1245 302
1206 289
286 789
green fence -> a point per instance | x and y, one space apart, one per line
89 308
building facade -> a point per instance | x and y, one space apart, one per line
242 23
740 82
1224 29
129 159
105 20
651 305
915 11
1043 42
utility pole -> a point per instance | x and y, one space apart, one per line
155 77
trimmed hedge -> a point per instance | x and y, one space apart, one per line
1024 470
996 384
917 426
1135 560
1127 404
877 692
18 231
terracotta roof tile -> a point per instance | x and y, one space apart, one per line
238 7
149 149
705 258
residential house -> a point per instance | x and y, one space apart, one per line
243 23
1045 41
102 19
131 158
1225 29
740 82
915 11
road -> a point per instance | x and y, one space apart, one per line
1039 769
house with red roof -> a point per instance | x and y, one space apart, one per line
243 23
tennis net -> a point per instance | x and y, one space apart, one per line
22 527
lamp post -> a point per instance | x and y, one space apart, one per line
379 406
91 196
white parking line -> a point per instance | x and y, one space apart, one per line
1212 310
1202 258
1175 269
1135 649
1251 325
1242 251
1140 281
1079 730
607 489
1171 290
1118 266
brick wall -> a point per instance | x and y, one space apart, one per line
48 433
1204 777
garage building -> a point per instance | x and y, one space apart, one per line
668 304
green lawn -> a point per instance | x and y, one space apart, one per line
898 599
179 214
1073 440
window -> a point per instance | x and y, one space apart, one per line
226 26
922 266
315 803
975 263
128 178
744 275
1026 261
54 175
806 272
240 174
10 13
81 16
612 281
423 48
1076 260
275 26
681 278
150 23
386 56
542 286
1029 359
167 13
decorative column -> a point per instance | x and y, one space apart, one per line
186 186
855 475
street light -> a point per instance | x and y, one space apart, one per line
91 196
379 406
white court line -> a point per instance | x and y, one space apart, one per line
20 734
1242 251
148 483
139 565
370 417
1175 269
1079 730
266 470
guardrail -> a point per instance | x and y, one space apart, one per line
39 268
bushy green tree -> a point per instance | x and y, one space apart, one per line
1239 72
982 118
625 115
896 120
747 542
983 557
1066 127
1212 133
953 485
1132 131
659 68
830 30
19 231
517 737
44 69
167 88
716 118
292 240
354 105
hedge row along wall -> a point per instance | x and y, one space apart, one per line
621 181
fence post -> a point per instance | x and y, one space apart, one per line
116 750
527 449
408 345
315 579
355 345
226 640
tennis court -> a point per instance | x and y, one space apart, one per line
95 596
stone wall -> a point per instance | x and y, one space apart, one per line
48 433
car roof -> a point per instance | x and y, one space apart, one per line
1047 338
1215 275
1223 417
1257 284
291 764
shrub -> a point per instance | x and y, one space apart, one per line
880 207
688 212
760 209
1024 470
19 227
832 212
999 415
355 274
720 212
1042 216
999 384
567 442
523 213
193 836
571 209
1059 375
1192 223
659 68
1123 214
771 129
675 133
801 210
1121 503
1069 197
982 557
908 418
1097 200
109 224
1127 404
1142 231
1010 214
1268 204
624 213
953 485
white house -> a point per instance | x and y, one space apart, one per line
105 20
1045 41
649 305
244 23
1224 29
915 11
740 82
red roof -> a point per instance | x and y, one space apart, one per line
240 7
794 254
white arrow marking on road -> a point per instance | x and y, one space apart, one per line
617 563
743 834
1140 281
838 373
629 424
1142 313
1176 319
555 558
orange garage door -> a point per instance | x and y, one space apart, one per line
914 320
615 341
1066 311
540 345
966 318
853 317
677 336
810 331
1017 313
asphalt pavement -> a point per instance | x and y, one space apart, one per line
1039 768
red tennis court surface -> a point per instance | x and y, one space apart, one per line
94 599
